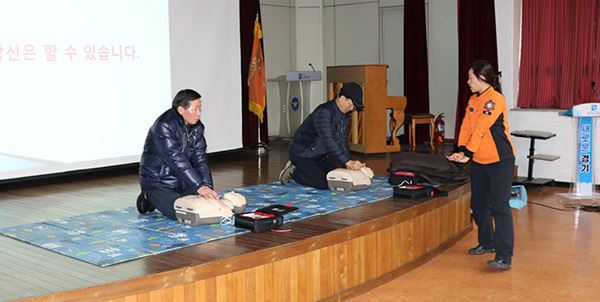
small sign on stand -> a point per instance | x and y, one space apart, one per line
583 189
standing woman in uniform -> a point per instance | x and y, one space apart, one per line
484 139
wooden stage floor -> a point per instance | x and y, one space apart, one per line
349 251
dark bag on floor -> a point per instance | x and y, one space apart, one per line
413 168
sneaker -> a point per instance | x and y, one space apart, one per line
499 264
480 250
143 205
285 176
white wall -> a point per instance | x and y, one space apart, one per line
350 34
308 45
392 46
356 32
563 144
443 61
344 32
277 19
328 39
508 16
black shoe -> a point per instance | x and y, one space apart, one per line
143 205
480 250
499 264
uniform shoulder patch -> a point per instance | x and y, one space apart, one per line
489 105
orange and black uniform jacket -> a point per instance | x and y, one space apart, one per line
484 134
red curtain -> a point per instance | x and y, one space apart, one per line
416 77
559 53
476 40
248 11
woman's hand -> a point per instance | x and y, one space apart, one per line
207 192
458 157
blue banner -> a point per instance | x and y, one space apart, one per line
585 136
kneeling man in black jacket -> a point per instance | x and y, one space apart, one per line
174 162
321 137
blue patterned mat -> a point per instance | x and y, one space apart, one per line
115 236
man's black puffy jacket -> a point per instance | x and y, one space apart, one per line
324 133
174 155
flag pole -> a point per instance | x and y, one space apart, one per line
261 148
257 73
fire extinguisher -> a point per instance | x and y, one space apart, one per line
440 127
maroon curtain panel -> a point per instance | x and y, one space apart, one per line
559 53
416 76
476 40
248 11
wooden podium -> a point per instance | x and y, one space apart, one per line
368 129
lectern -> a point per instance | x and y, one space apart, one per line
294 93
583 188
369 127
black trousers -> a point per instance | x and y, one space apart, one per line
490 195
164 199
311 172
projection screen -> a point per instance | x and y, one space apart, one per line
82 81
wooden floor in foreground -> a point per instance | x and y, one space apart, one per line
557 253
557 258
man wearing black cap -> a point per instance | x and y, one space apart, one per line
323 136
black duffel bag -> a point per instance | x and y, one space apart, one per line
415 168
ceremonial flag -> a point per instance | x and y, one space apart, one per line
257 83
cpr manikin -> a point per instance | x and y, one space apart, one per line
197 210
346 180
